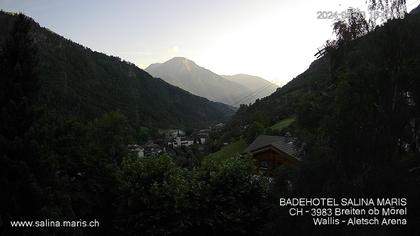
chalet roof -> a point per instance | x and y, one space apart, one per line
284 144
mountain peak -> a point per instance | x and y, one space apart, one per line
234 90
186 74
178 59
182 62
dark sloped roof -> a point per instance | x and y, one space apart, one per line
282 143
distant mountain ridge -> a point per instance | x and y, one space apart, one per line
186 74
80 82
260 87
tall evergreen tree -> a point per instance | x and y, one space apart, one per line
21 193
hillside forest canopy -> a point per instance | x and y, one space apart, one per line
64 151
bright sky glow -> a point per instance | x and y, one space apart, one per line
274 39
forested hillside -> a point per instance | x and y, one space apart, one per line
283 103
68 116
320 79
67 164
77 81
356 114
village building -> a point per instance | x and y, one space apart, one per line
181 142
149 149
153 149
271 152
201 136
136 150
201 139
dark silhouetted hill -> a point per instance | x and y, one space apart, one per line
78 81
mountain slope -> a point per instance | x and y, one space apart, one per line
308 91
187 75
284 102
415 10
78 81
260 87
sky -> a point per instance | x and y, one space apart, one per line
274 39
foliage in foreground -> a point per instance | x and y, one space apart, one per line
59 167
159 197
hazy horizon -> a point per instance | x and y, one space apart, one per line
270 39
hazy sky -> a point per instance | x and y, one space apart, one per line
274 39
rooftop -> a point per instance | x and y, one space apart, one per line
282 143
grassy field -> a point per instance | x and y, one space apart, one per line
229 150
283 124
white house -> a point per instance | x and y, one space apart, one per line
181 142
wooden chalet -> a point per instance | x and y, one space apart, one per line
271 152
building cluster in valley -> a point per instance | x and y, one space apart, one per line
269 152
172 139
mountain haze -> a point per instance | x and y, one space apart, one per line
186 74
259 86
